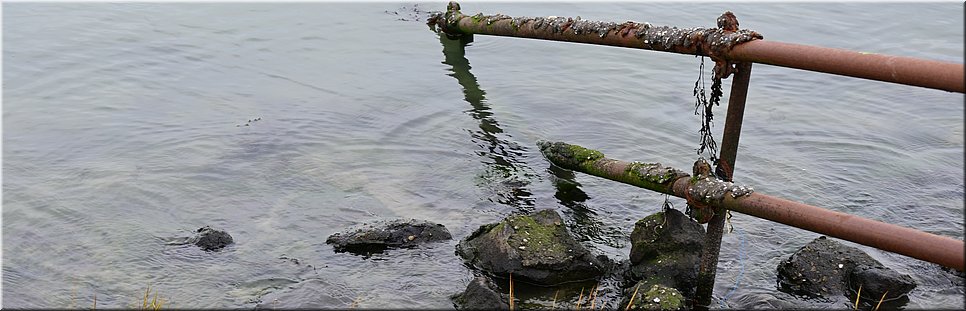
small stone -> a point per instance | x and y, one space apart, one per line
657 300
522 247
411 237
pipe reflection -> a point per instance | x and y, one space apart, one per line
585 224
505 176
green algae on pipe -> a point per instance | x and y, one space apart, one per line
652 176
917 244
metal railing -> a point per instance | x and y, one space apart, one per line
734 51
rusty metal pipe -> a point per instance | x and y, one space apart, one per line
917 244
742 46
938 249
729 152
888 68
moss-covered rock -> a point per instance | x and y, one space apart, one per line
537 248
666 250
653 297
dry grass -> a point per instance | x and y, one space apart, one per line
880 301
511 291
631 302
554 305
593 297
155 303
858 296
579 299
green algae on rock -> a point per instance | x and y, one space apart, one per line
537 248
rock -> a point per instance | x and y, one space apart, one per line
384 234
666 249
653 297
537 248
481 294
878 280
825 268
210 239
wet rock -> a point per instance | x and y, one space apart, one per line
481 294
210 239
826 268
537 248
384 234
666 249
877 281
652 297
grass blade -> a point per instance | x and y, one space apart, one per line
581 297
511 291
630 303
554 305
880 301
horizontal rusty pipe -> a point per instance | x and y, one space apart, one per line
741 45
930 247
888 68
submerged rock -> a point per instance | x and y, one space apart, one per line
313 294
210 239
537 248
384 234
825 268
666 249
481 294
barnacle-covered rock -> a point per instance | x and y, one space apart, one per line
652 297
826 268
666 249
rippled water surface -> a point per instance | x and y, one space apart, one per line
124 126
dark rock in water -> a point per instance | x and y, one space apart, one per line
652 297
666 249
826 268
536 248
877 281
481 294
380 235
210 239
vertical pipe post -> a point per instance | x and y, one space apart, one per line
726 165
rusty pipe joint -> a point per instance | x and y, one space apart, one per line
922 245
447 22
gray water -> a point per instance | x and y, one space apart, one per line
123 127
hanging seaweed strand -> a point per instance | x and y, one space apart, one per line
703 107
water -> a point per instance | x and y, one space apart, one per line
123 126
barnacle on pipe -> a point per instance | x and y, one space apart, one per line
713 42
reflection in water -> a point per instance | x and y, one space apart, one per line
505 175
586 225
